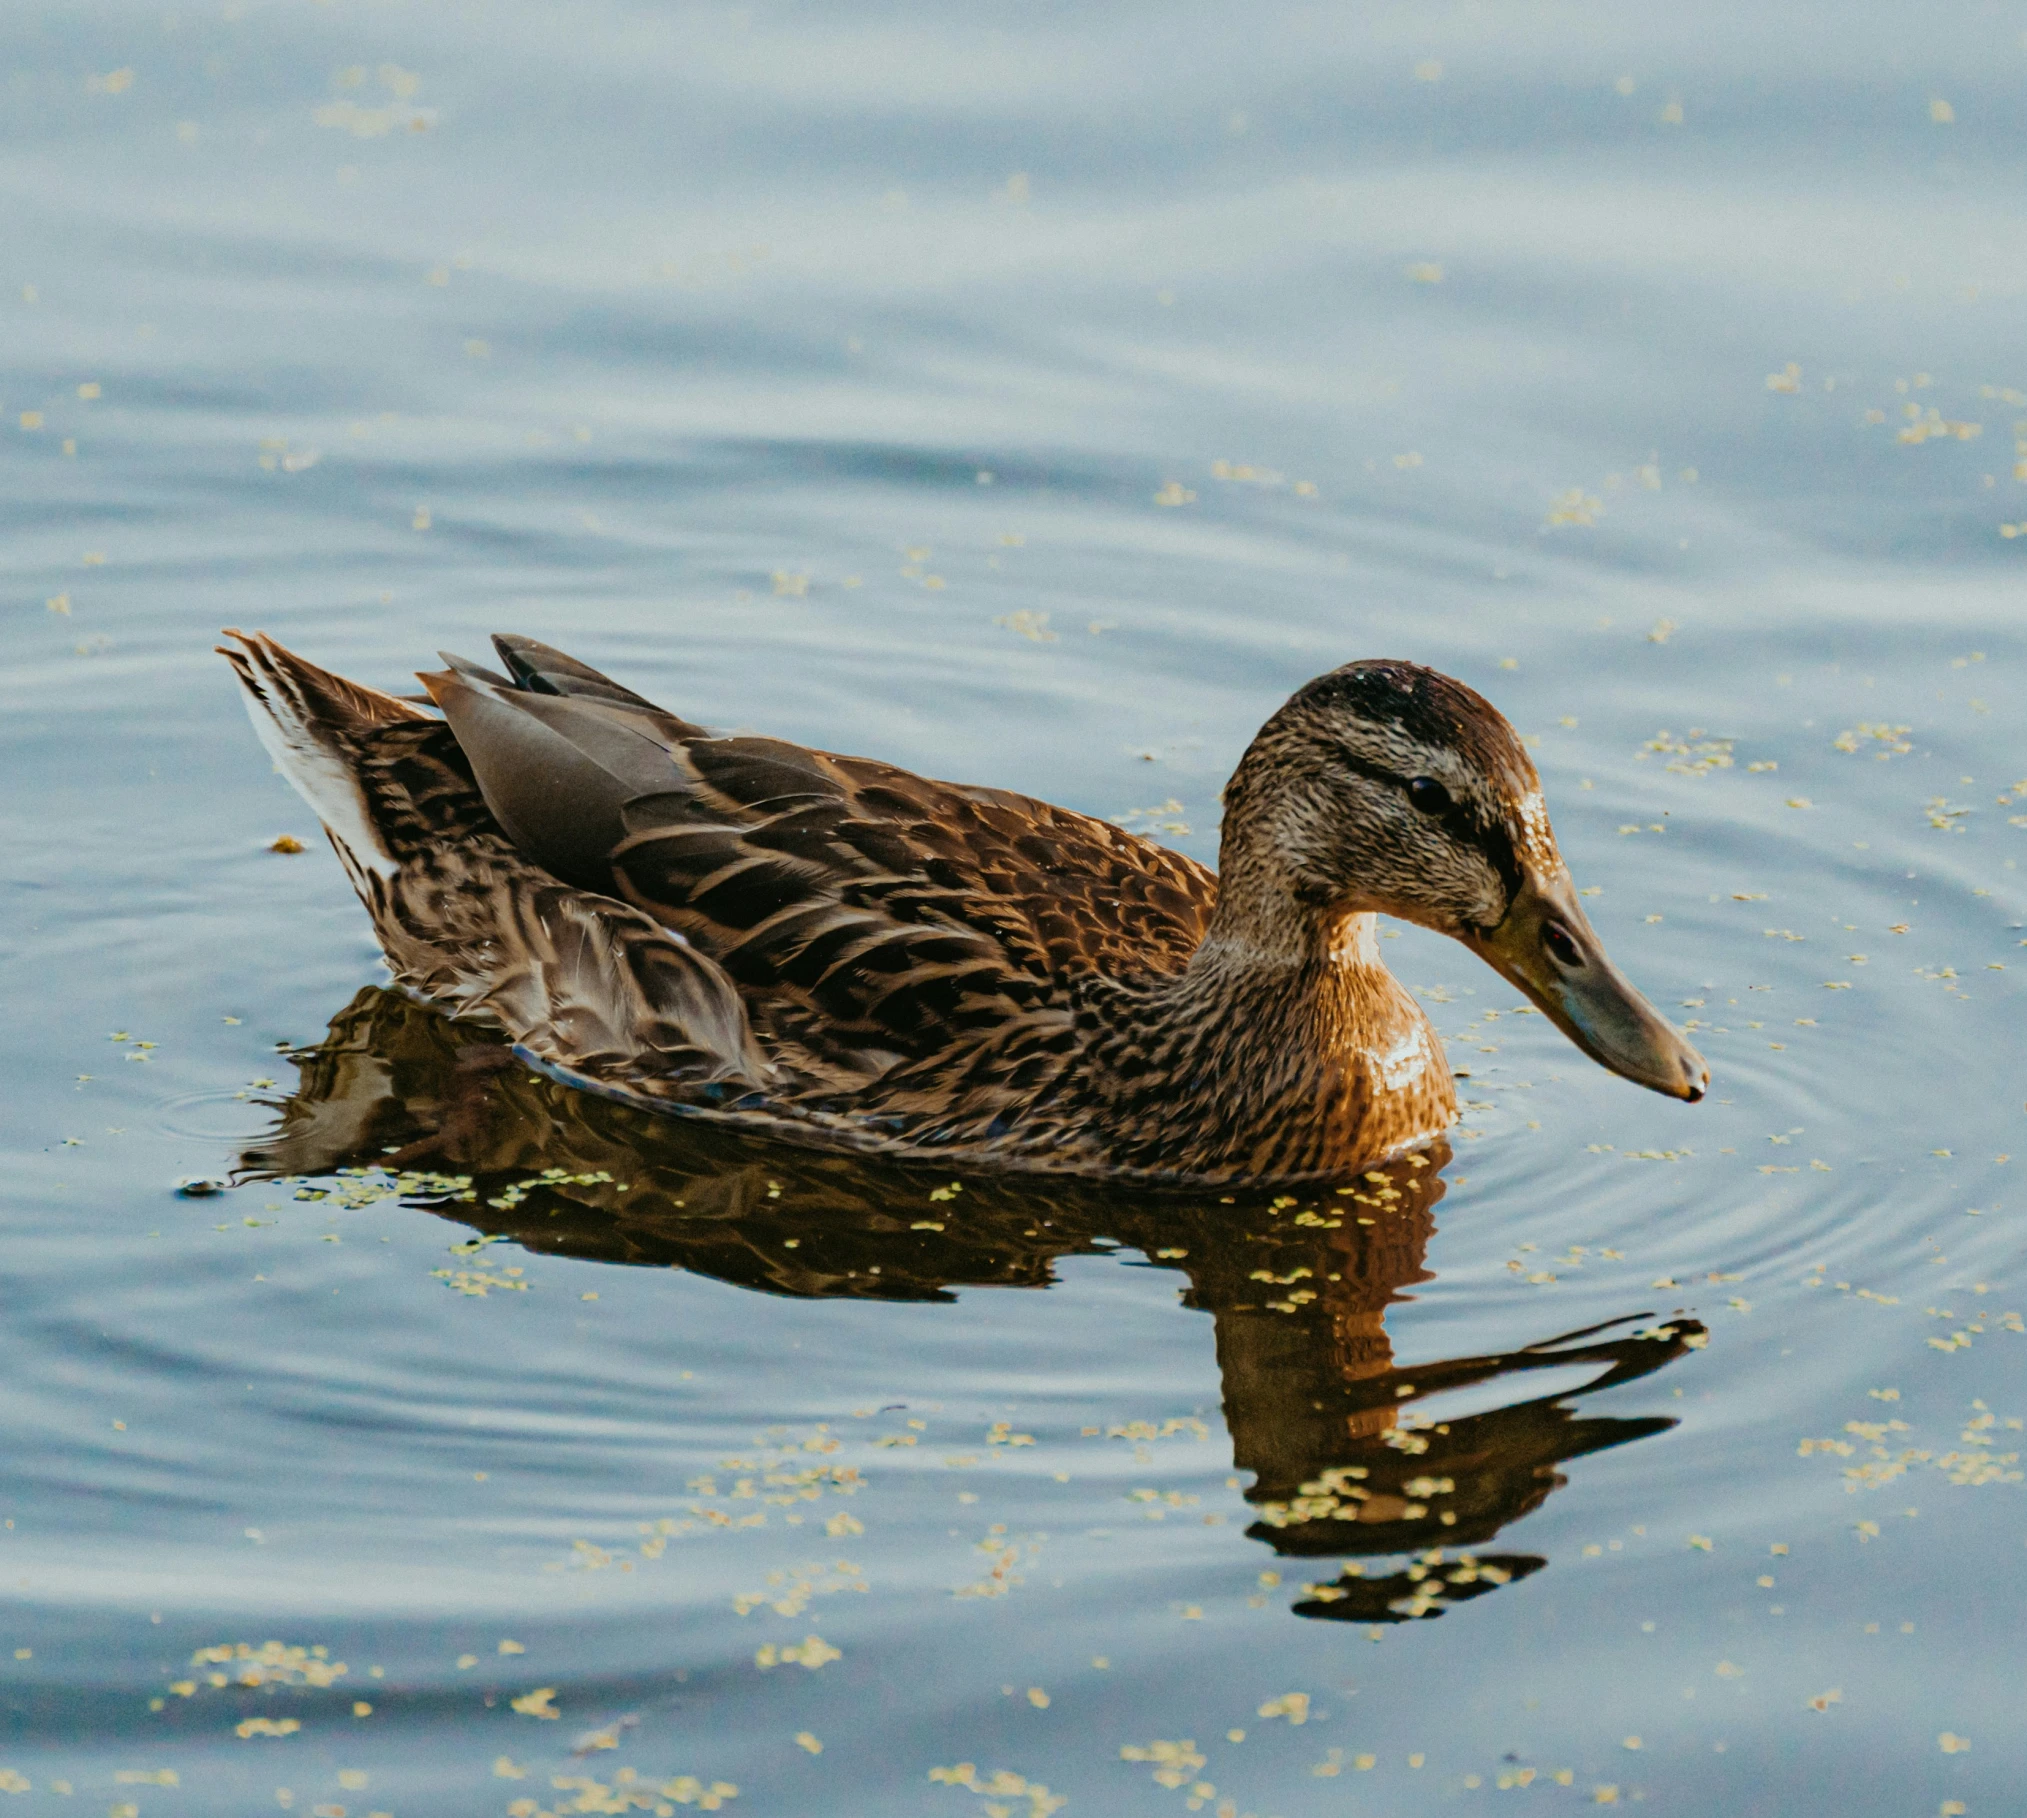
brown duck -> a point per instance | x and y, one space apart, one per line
837 952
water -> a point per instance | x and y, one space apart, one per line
1033 397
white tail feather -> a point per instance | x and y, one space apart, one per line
313 754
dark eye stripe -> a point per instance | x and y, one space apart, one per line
1493 842
1497 847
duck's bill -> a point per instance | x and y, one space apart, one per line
1547 947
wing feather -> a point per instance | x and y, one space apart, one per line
726 908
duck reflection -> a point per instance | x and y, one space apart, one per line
1347 1464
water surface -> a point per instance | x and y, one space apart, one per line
1033 397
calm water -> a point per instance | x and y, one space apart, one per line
1032 396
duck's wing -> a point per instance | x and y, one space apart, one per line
870 914
587 986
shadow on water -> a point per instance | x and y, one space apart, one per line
1297 1286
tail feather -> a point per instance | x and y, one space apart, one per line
539 669
313 724
586 985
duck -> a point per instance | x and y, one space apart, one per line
840 953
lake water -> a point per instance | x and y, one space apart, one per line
1033 396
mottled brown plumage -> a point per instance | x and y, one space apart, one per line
842 953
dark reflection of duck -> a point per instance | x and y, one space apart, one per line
1297 1285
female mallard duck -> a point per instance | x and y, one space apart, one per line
837 952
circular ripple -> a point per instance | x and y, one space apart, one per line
212 1117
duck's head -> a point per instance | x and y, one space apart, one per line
1387 787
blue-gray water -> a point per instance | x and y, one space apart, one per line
1034 396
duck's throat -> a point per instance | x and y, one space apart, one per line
1272 1061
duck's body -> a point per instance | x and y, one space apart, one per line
839 952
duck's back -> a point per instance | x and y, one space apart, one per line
883 911
908 955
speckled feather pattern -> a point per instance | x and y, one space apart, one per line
839 952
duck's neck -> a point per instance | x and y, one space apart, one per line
1285 1048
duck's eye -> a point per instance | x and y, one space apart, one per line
1428 795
